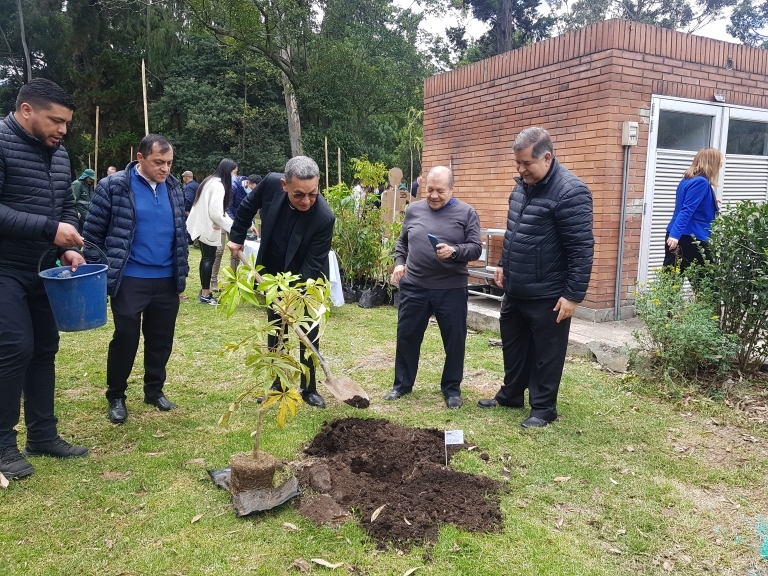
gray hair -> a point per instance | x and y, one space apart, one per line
301 167
440 169
536 137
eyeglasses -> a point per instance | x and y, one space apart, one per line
300 196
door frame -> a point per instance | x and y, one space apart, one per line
714 109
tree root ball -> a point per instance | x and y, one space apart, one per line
358 402
249 473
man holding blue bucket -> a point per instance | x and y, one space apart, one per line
136 217
37 213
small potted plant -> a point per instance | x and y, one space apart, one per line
301 305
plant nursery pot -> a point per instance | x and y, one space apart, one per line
249 473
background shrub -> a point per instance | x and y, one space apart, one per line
739 271
682 335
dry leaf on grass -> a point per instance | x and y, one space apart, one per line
327 564
406 520
668 566
196 461
377 512
290 526
3 481
630 449
411 571
196 518
301 565
559 522
562 478
613 481
109 544
611 548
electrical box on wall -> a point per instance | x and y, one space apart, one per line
629 133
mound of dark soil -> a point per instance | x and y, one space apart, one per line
375 463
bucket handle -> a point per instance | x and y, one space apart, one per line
44 254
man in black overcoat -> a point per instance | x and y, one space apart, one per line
296 234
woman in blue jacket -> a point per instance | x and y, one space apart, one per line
687 239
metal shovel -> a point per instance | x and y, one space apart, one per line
342 387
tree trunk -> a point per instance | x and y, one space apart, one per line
505 27
27 59
294 122
292 111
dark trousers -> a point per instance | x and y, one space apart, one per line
417 304
206 264
148 306
29 341
308 386
686 253
534 347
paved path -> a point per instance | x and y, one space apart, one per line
605 341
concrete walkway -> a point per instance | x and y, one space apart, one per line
606 342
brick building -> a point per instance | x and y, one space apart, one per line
686 92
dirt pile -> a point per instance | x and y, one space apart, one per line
367 465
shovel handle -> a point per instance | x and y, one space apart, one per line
299 332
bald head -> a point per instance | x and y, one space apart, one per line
440 171
439 187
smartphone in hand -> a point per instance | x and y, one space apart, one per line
433 240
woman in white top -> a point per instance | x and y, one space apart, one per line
208 218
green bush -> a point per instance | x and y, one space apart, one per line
739 245
682 336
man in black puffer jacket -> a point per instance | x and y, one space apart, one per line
136 217
37 214
544 270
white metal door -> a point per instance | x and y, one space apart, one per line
745 145
678 130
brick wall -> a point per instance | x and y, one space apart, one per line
580 86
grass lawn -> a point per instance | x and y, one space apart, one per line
622 484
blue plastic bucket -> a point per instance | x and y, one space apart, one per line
78 299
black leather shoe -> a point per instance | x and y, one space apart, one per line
487 403
313 399
58 448
117 411
533 422
453 402
13 465
393 395
161 403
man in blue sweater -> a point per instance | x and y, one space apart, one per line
137 218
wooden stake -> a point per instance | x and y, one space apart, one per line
131 157
326 163
96 150
339 165
144 89
89 160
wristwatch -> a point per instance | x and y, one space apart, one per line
455 253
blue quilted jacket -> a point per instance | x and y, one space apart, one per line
549 245
34 197
111 223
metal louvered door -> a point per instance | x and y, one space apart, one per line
745 176
679 129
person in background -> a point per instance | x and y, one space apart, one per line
37 214
687 238
433 280
82 188
544 270
137 219
209 222
190 190
239 190
415 187
297 229
111 170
